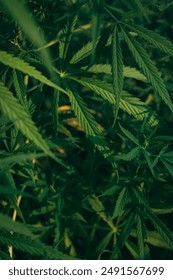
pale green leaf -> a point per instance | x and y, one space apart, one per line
128 72
162 211
154 238
131 72
25 68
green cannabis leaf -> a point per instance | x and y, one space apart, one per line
117 69
85 130
17 114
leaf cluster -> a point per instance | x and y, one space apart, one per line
85 130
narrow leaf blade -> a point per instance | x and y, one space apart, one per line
117 70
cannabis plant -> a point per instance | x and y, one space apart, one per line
86 129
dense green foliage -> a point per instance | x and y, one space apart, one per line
86 138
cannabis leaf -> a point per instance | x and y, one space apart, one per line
25 68
128 72
65 36
89 125
148 67
31 246
82 53
153 38
7 224
117 69
128 103
164 232
120 203
18 115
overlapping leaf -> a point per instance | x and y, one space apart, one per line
31 246
164 232
128 72
148 67
18 115
153 38
65 36
24 67
89 125
128 103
